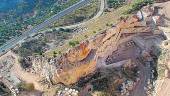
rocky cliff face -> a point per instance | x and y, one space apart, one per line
107 49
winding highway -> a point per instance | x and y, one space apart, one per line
99 13
17 40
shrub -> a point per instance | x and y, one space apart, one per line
54 30
85 36
107 24
115 3
26 86
76 42
94 31
73 43
61 29
67 30
59 52
54 54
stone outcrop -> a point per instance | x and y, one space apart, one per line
77 54
71 76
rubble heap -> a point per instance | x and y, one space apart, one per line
67 92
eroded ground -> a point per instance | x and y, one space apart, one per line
121 60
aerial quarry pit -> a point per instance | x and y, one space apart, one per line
131 43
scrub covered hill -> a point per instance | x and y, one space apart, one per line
17 16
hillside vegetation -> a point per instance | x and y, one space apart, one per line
13 24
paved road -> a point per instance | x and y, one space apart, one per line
100 12
17 40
